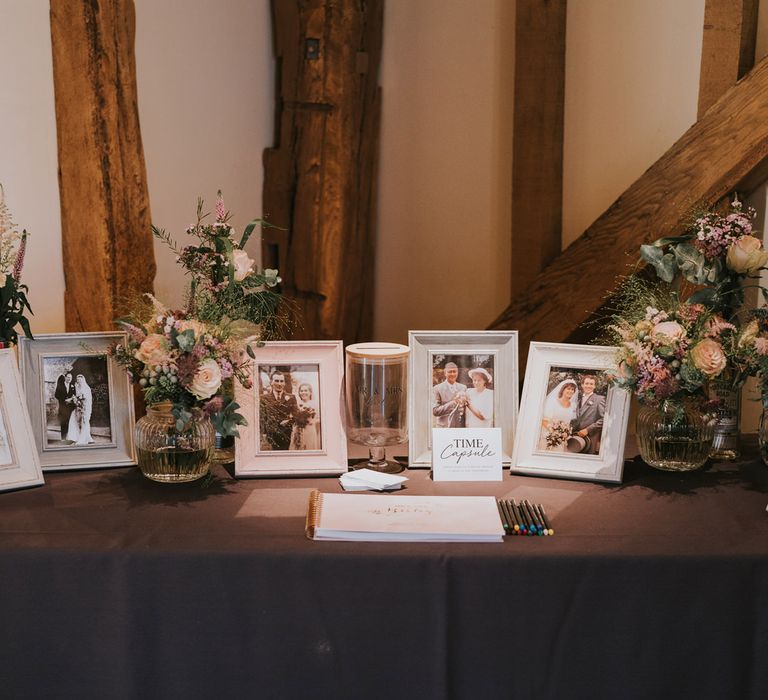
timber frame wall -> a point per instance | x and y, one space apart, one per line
725 150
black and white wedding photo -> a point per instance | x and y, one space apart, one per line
76 401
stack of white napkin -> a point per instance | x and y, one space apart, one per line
370 480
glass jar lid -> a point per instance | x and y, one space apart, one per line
377 351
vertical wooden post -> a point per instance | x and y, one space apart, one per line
319 183
537 160
728 47
105 218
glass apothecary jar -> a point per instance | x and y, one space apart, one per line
674 436
169 455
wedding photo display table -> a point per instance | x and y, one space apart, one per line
116 587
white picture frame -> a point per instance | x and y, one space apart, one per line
19 462
553 369
293 432
431 350
105 433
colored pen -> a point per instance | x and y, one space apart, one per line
529 526
545 519
536 529
536 519
520 518
510 516
503 515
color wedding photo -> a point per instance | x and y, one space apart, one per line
76 399
462 391
572 417
289 407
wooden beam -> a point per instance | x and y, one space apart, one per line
728 47
105 218
716 155
537 163
319 183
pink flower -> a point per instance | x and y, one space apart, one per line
221 212
708 357
761 346
153 351
668 331
716 325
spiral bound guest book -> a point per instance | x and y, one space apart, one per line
395 518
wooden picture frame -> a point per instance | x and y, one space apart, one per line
564 430
294 411
91 424
493 352
19 461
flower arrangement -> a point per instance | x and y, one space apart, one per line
225 287
184 361
13 294
558 434
717 252
749 350
667 349
192 357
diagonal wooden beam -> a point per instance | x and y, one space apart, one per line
725 150
537 162
105 219
728 47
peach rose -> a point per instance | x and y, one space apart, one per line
153 350
746 256
207 379
243 264
196 327
708 357
670 330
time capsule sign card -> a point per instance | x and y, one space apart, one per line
466 454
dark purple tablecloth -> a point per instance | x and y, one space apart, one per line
115 587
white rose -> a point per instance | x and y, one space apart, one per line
243 264
745 256
207 380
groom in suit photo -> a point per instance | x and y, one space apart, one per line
589 414
65 395
449 398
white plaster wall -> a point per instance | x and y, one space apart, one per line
28 155
205 78
445 165
631 90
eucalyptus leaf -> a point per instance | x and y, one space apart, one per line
186 340
691 262
664 263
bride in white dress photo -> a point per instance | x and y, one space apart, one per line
79 432
559 411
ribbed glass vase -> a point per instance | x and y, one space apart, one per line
762 436
169 455
673 436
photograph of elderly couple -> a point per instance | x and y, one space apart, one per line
462 391
289 408
574 407
76 399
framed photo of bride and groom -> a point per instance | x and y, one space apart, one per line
80 402
573 422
